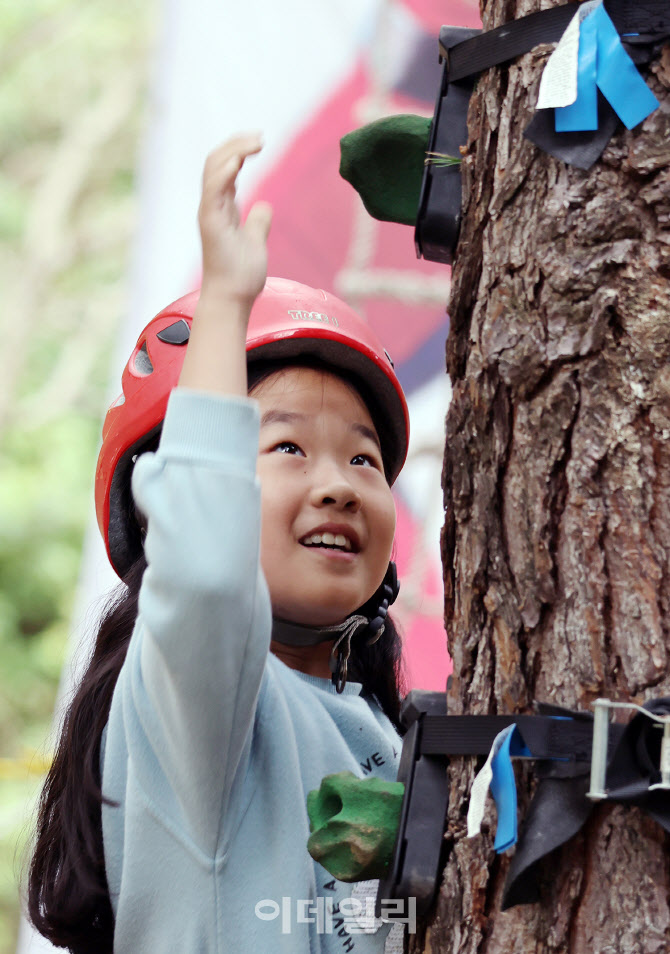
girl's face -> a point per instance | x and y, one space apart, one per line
328 516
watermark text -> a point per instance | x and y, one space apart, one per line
352 915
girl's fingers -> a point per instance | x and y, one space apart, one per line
238 253
233 150
246 144
223 166
220 181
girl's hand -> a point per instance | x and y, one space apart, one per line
234 256
234 265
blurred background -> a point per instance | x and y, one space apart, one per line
107 111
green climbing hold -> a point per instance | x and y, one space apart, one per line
384 162
354 823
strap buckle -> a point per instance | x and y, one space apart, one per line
601 720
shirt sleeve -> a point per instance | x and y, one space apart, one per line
201 640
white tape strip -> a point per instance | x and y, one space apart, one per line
558 85
480 788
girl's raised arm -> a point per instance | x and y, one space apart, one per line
181 721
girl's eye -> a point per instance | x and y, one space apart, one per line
287 447
363 460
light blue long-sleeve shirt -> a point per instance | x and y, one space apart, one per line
213 743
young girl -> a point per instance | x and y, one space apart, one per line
249 654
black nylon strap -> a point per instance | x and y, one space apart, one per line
507 41
579 149
546 738
649 19
557 812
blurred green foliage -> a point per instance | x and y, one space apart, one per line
73 82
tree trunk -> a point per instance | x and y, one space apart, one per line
556 545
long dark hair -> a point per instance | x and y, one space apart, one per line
68 898
380 668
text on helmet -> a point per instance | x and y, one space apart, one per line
298 315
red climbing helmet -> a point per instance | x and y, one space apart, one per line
288 320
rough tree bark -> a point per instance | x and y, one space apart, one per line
557 493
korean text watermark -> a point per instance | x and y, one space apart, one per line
352 915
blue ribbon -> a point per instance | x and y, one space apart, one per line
509 744
503 786
604 63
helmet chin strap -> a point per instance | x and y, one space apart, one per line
294 634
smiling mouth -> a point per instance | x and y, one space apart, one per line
328 541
